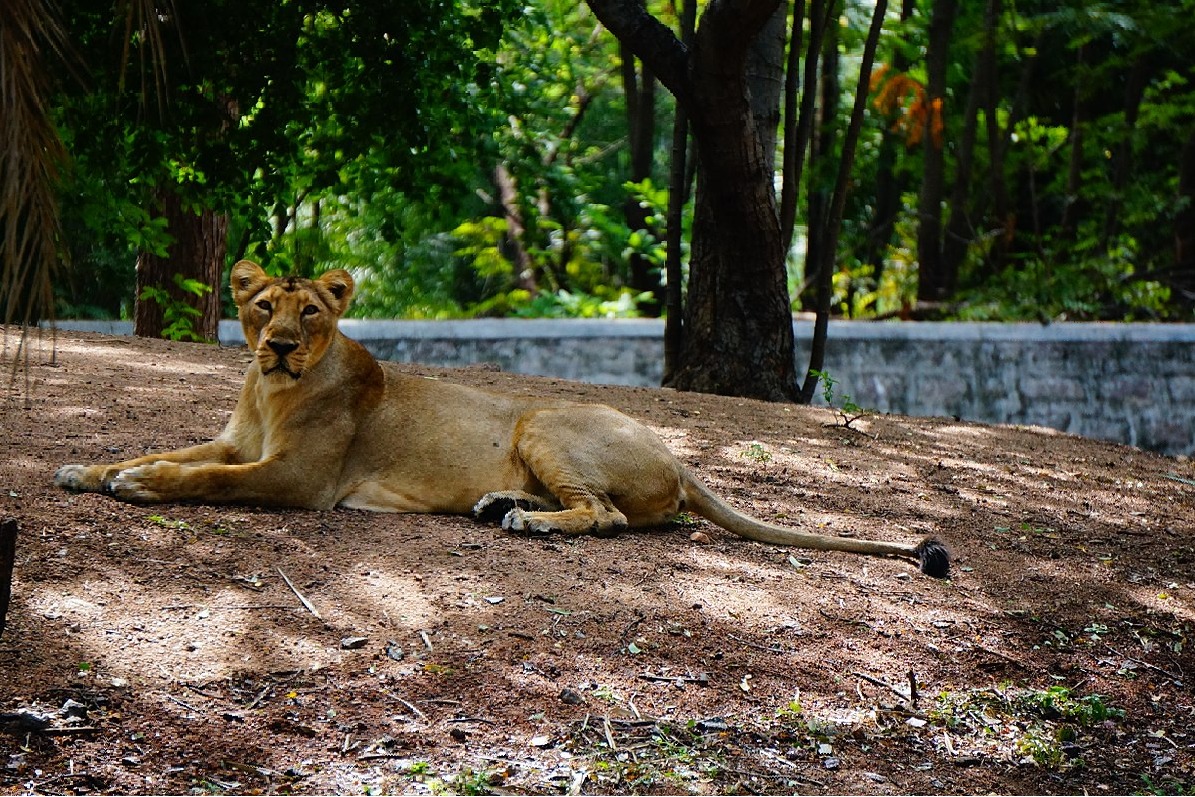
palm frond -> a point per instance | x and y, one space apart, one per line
143 22
31 159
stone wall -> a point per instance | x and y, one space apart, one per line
1132 383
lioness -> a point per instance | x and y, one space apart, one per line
320 423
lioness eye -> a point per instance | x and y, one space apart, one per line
264 305
310 309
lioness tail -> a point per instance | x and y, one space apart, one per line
932 556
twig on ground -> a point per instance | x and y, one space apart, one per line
260 697
877 682
609 733
1144 663
701 679
410 706
182 703
306 603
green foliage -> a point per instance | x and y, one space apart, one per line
1043 725
757 453
1059 286
178 315
845 409
366 135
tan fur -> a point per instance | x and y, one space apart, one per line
321 423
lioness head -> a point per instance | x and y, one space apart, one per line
289 321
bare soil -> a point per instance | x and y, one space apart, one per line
159 649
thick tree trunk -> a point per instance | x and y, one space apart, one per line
738 332
934 284
738 321
198 252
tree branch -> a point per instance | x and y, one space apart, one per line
650 40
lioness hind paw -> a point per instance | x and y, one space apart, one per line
518 520
494 507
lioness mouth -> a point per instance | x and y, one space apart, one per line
281 366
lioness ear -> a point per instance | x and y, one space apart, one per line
246 280
339 283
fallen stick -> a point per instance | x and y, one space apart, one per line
410 706
877 682
703 679
306 603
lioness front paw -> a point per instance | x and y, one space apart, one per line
144 483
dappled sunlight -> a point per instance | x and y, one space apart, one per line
679 441
167 362
438 636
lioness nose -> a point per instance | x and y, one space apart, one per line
282 347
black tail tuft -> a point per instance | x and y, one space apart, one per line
934 557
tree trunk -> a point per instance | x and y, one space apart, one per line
890 185
960 230
738 321
933 282
197 253
640 91
516 231
679 184
738 331
1134 93
1075 208
821 150
833 222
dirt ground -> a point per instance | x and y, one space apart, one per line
160 649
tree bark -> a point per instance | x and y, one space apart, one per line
198 252
738 332
933 282
738 321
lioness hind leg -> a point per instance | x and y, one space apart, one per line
496 506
